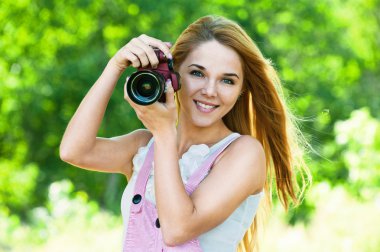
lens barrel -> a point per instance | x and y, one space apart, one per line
145 87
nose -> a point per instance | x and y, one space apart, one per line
209 88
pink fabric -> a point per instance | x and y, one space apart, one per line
144 233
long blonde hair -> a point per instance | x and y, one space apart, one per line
260 112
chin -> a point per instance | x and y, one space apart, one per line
203 123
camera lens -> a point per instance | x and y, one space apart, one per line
145 87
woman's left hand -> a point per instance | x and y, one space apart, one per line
158 117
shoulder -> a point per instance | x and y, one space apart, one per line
136 138
247 144
129 145
246 157
142 136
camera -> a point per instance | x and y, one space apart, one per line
147 85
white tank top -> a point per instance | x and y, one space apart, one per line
223 238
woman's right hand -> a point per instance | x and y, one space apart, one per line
139 53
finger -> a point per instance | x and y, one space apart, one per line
131 58
139 52
169 92
168 44
149 51
157 43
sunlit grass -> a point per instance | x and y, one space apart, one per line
340 223
78 235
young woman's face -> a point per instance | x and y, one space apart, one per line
211 81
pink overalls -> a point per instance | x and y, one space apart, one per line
144 234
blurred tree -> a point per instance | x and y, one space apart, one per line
357 141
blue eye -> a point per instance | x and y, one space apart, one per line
196 73
228 81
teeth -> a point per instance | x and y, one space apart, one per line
205 106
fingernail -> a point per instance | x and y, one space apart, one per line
170 56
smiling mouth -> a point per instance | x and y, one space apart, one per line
205 107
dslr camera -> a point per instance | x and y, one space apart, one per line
147 85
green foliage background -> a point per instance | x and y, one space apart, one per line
327 54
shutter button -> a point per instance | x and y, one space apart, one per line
136 199
157 223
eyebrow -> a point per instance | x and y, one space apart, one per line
203 68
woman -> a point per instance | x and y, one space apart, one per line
198 171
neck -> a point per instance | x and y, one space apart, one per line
188 135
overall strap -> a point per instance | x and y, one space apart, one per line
142 179
201 173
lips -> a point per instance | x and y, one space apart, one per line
205 106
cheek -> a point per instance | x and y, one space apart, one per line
184 94
188 87
229 97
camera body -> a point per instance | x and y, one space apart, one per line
147 85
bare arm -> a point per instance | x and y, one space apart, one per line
238 173
80 145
